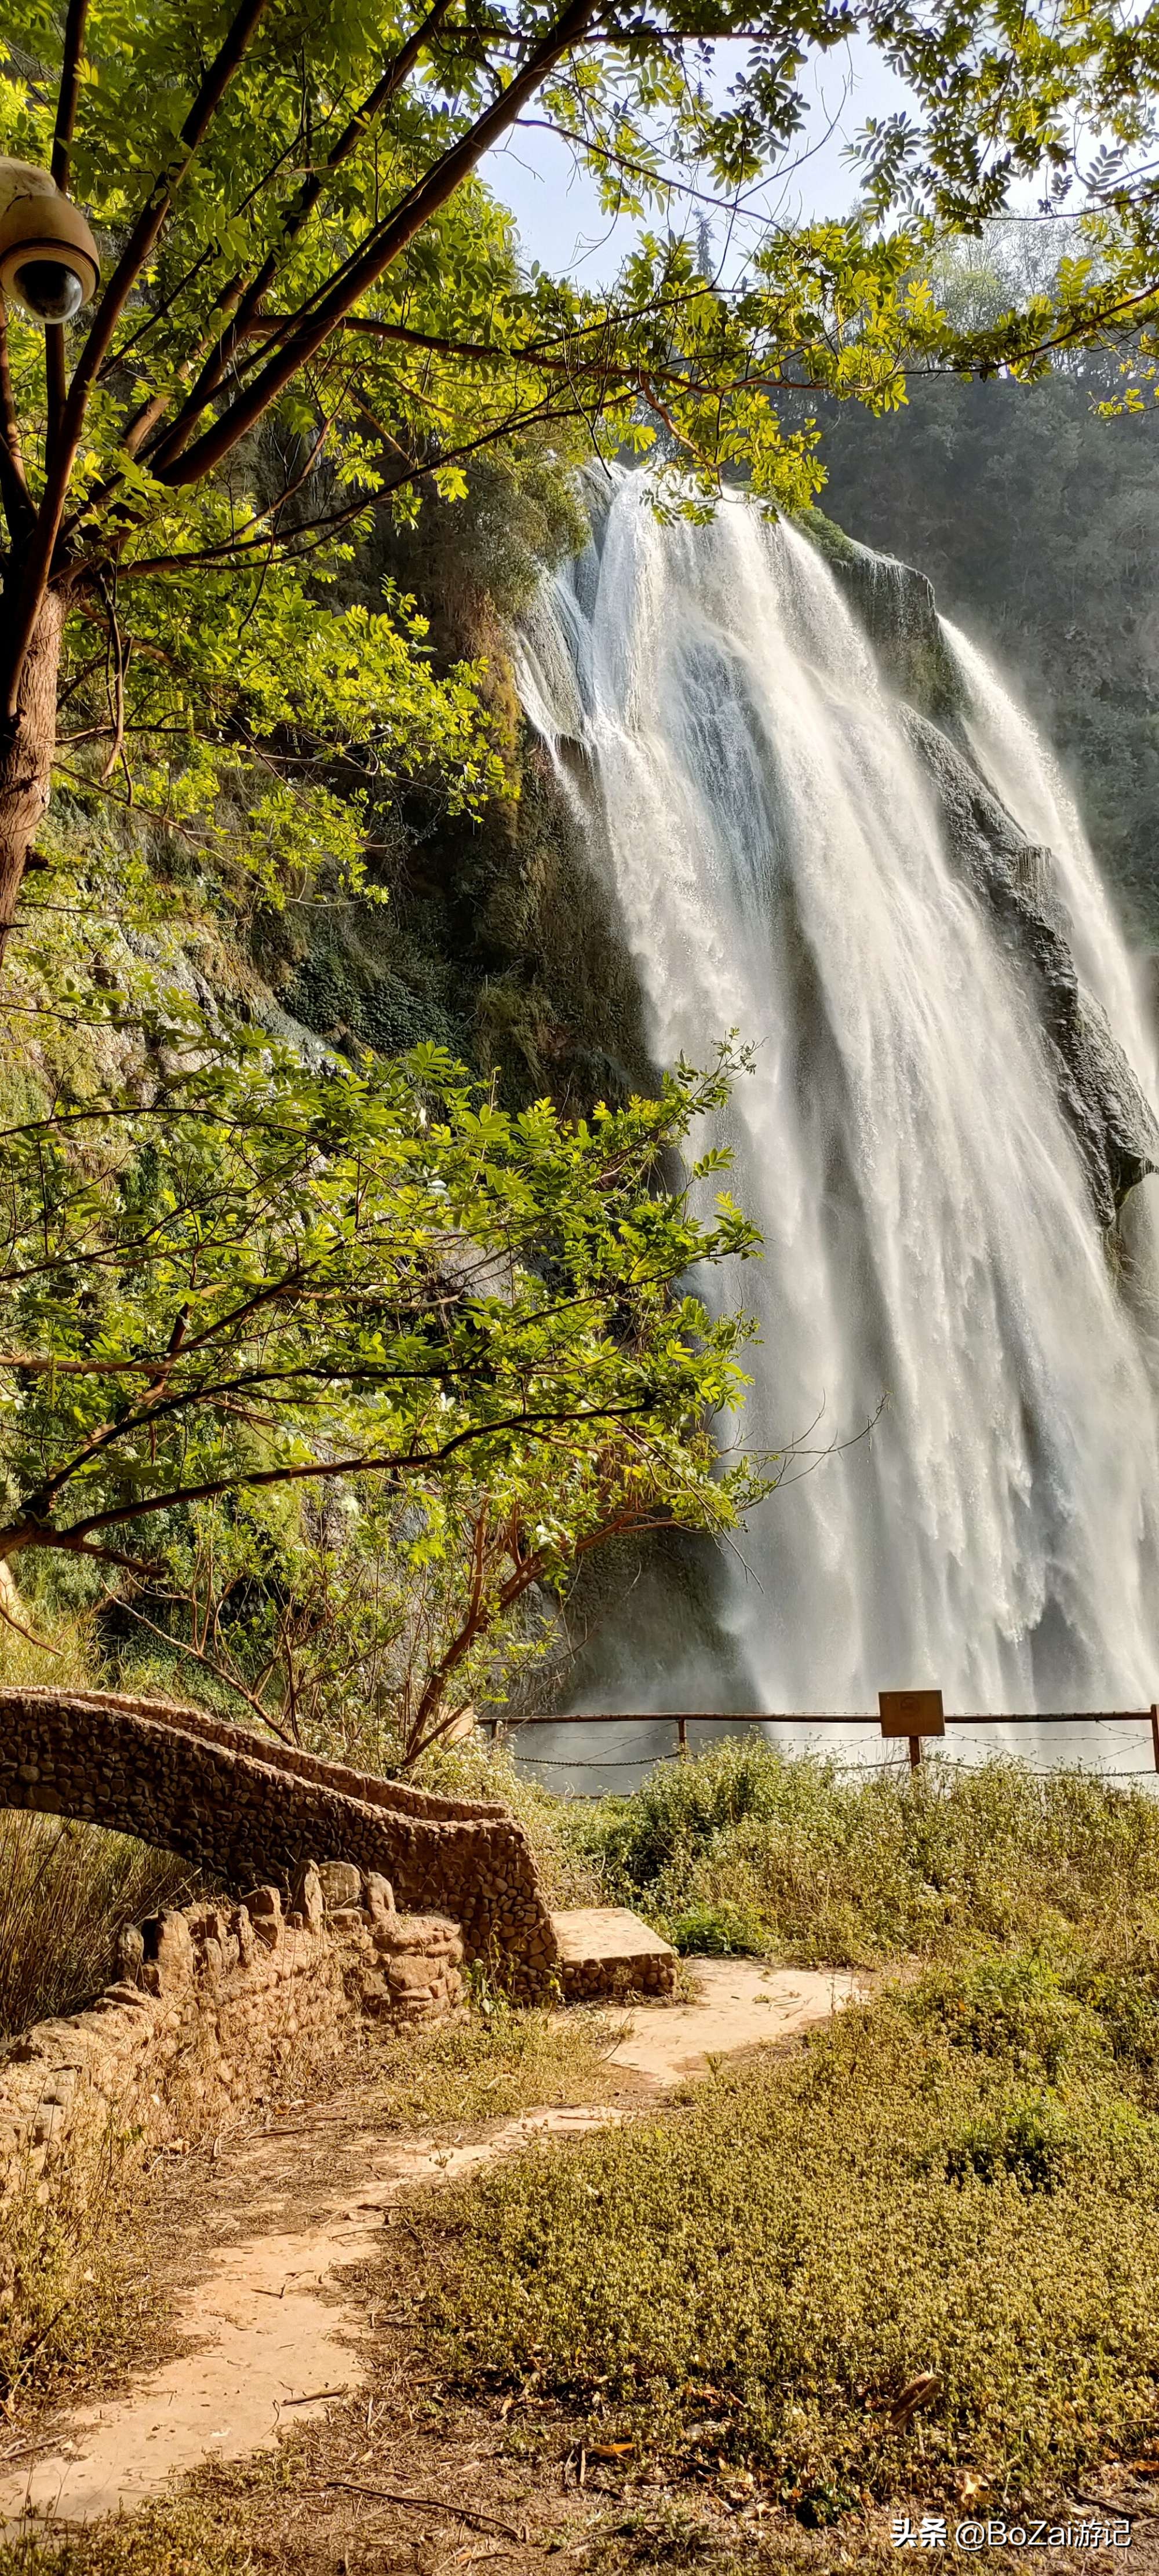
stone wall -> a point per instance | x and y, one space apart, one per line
245 1808
209 2003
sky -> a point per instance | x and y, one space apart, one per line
562 225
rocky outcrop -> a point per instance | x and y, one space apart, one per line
896 606
1111 1122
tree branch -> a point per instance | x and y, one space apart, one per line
379 252
141 242
220 1672
249 305
23 1535
66 99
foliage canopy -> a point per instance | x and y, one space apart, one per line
229 1279
312 305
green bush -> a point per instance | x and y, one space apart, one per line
720 1931
1031 2140
849 1870
1016 2009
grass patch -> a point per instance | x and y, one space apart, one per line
161 2540
496 2064
962 2180
68 2283
720 1931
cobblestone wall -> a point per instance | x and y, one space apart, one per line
208 2003
246 1809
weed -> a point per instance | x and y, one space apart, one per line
493 2065
1032 2140
162 2540
720 1931
66 2288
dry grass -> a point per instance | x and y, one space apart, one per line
68 1890
498 2063
69 2281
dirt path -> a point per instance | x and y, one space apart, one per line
265 2335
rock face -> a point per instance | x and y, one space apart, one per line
1112 1124
896 606
250 1811
209 2001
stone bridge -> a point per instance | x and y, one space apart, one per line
246 1809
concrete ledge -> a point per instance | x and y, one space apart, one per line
605 1950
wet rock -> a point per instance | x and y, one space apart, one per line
1111 1123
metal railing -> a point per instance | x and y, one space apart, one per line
912 1717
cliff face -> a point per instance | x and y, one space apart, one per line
1038 523
1099 1096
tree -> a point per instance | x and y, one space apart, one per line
312 306
230 1283
370 1627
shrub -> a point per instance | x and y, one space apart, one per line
1031 2140
720 1931
847 1870
1016 2009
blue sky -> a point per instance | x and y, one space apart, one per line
558 213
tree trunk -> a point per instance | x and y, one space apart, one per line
27 744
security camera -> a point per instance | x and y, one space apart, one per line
48 258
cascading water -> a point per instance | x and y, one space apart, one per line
912 1142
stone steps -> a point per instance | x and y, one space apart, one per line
605 1951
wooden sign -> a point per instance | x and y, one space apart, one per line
913 1712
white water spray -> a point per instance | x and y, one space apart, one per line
778 864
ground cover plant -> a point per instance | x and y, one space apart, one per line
498 2062
174 2540
957 2187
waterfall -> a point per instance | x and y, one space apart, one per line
773 826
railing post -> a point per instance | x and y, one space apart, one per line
682 1737
1155 1731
